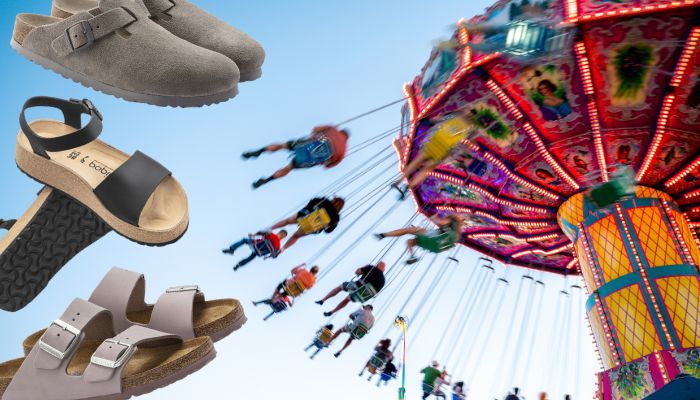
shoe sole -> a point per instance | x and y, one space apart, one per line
44 239
156 100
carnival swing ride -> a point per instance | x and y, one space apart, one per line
578 154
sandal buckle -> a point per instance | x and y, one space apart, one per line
87 32
74 342
129 350
89 105
177 289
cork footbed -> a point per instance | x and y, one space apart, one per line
216 319
22 222
150 367
78 171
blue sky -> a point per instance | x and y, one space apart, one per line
326 61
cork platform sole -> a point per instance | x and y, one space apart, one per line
77 172
216 319
50 233
150 368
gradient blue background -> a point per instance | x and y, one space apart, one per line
326 61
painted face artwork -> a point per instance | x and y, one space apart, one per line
543 85
622 155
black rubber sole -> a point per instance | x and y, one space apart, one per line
60 229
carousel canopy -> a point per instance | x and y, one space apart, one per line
621 94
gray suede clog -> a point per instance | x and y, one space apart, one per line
117 49
193 24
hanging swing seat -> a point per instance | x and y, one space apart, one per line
261 246
435 241
323 339
377 362
359 331
314 222
363 293
446 135
294 288
312 153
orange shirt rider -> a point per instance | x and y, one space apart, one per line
338 141
303 276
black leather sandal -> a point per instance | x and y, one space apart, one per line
135 196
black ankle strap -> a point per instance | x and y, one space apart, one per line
71 109
7 225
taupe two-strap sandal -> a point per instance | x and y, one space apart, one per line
189 22
79 358
36 246
135 196
182 310
118 49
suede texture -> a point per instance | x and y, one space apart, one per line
142 57
203 29
193 24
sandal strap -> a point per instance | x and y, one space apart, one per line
125 191
85 32
174 311
108 361
121 291
71 109
60 340
7 224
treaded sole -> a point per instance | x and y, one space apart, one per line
112 229
60 229
163 101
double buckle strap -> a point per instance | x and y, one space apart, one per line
86 31
61 354
124 356
92 110
177 289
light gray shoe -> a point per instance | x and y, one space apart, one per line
119 50
193 24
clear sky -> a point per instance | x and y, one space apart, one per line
326 61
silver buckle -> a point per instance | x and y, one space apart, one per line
129 350
74 342
177 289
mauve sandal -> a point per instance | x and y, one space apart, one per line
36 246
135 196
191 23
117 49
79 358
181 310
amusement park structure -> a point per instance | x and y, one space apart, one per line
541 184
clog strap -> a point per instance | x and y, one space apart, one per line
88 29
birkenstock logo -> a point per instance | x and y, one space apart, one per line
101 168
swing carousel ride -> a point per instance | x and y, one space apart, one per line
542 182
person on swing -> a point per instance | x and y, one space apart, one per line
267 243
362 317
325 213
325 146
448 133
426 239
369 274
